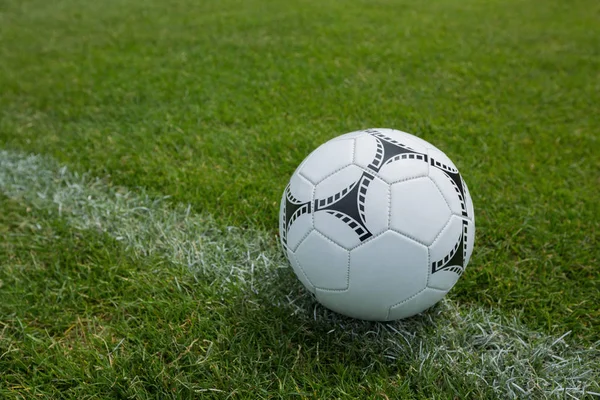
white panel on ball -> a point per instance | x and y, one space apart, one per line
403 170
418 209
365 150
421 142
337 182
469 200
300 188
298 270
327 159
324 262
383 271
441 254
416 304
298 230
377 206
336 229
448 190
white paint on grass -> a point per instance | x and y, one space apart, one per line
146 225
478 347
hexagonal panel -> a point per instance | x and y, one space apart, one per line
417 304
418 209
443 253
383 271
327 159
324 262
293 260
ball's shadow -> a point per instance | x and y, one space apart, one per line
300 325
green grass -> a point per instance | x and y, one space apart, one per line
99 290
215 103
124 326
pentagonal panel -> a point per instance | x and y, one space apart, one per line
383 272
339 206
327 159
417 304
298 270
447 254
418 209
324 262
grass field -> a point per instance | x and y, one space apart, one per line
144 146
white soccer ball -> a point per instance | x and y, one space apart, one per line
377 224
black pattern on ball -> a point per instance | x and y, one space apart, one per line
348 205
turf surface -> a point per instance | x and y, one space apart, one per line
215 104
110 287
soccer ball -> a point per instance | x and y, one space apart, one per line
377 224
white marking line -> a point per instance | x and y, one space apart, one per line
146 225
481 347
